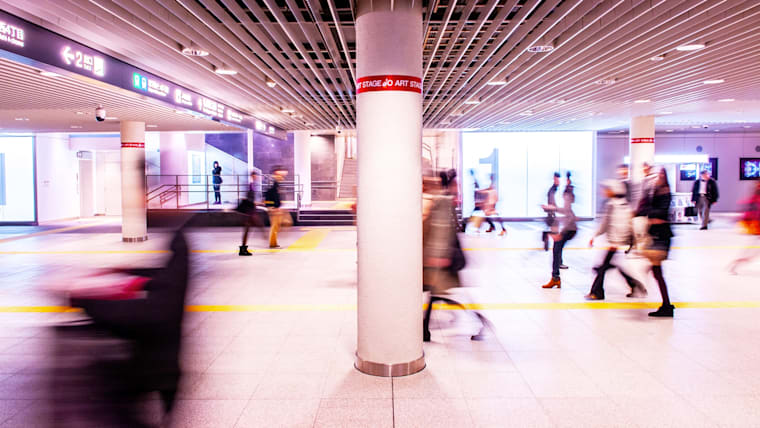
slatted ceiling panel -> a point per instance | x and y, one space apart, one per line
308 48
51 104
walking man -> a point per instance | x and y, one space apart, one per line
273 203
704 194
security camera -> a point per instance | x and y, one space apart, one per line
100 113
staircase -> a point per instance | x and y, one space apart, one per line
326 218
348 181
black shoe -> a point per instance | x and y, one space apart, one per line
703 228
562 267
426 336
244 251
663 312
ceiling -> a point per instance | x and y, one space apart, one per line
35 103
308 48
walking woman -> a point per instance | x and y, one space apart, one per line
217 180
617 225
750 222
569 229
660 235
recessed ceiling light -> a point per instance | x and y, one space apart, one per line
691 47
668 130
111 118
80 113
713 81
526 113
225 71
540 48
726 100
472 102
695 126
746 127
657 58
497 83
605 82
642 101
287 110
192 51
21 118
49 74
151 126
665 112
717 130
308 124
271 83
76 127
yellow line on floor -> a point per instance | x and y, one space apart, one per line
475 306
51 231
309 241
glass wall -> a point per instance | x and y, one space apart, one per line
523 164
17 198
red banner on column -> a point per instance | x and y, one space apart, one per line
389 83
642 140
132 145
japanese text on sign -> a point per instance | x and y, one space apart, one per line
11 34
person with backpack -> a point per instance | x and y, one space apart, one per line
617 225
273 201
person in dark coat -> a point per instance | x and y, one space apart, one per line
551 211
153 324
704 194
217 180
660 235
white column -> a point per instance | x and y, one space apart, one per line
389 138
302 163
641 145
134 227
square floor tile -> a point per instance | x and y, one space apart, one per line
290 386
431 412
279 413
493 385
351 383
351 413
505 412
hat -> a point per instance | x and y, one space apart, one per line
615 186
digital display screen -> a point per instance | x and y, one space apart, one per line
749 169
712 168
688 171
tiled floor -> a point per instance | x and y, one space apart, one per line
286 359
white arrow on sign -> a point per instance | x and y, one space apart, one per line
67 55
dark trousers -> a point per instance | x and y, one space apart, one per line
217 193
597 288
559 245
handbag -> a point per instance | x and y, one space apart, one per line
690 211
245 206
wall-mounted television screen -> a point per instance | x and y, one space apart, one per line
712 167
688 171
749 169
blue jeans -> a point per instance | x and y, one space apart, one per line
557 251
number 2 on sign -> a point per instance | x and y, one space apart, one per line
78 62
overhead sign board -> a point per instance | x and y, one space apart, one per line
25 42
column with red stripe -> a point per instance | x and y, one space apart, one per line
134 223
641 146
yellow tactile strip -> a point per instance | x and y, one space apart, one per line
477 306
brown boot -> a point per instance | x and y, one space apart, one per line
555 282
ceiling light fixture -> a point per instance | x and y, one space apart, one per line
497 83
151 126
605 82
193 51
657 58
717 130
472 102
541 48
80 113
746 127
641 101
21 118
287 110
526 113
49 74
665 112
713 81
726 100
271 83
76 127
691 47
225 71
668 130
112 118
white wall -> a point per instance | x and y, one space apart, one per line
17 180
57 178
728 148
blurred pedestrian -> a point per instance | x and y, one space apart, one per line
704 194
616 224
273 200
489 207
249 209
660 235
750 222
569 230
217 180
641 195
623 177
551 212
